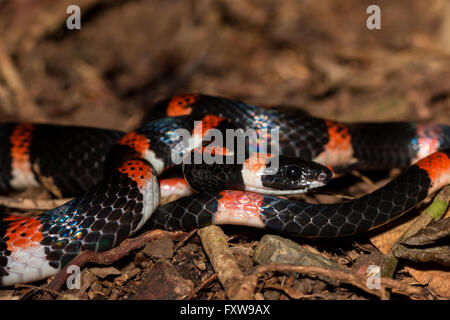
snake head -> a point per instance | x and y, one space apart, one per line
289 176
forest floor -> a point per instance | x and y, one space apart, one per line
314 55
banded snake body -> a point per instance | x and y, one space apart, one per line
115 178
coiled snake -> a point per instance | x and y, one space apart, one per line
117 177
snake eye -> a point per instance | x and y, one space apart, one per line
323 176
294 173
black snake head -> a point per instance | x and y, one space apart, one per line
287 175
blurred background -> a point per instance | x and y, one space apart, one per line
310 54
317 55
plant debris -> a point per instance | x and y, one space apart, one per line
299 54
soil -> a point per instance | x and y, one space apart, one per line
314 55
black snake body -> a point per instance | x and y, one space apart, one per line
118 176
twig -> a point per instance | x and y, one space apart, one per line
214 242
351 278
50 20
126 276
291 292
26 109
364 178
435 211
32 204
107 257
238 286
185 238
35 289
201 286
337 195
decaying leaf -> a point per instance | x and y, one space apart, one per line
383 241
436 280
104 272
436 230
419 247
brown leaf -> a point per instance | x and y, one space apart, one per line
162 248
435 231
163 282
104 272
8 295
412 248
385 240
437 280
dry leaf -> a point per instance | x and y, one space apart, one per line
8 295
437 280
436 230
385 240
104 272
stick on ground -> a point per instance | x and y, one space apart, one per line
214 242
107 257
31 204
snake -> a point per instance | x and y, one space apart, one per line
116 177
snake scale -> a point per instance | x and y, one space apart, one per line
115 178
